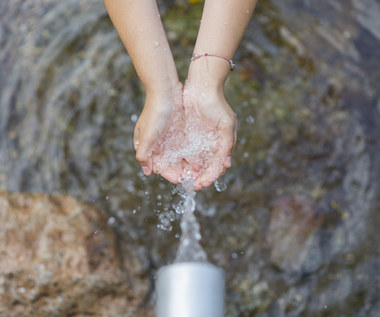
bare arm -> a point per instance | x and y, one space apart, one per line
222 28
140 28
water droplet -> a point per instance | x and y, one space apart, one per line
159 197
181 179
107 197
179 209
163 227
234 255
111 221
220 185
247 11
134 118
21 290
177 235
246 154
156 44
141 30
134 211
250 119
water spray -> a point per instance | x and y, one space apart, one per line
191 287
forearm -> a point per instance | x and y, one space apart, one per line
140 28
221 30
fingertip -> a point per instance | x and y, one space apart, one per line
207 183
197 186
206 180
146 170
136 139
136 144
227 162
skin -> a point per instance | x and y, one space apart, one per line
140 28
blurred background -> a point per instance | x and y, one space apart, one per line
296 229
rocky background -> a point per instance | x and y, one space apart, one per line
296 229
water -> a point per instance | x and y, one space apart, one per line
189 249
189 147
308 74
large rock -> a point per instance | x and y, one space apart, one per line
58 257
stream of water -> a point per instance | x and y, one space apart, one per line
189 249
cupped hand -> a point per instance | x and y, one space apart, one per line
160 116
186 134
209 119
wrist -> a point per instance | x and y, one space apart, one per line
209 72
164 96
166 87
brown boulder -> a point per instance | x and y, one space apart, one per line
58 257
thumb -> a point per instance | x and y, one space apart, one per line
143 153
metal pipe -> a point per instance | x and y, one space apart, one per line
190 289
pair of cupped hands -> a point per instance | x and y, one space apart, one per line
186 132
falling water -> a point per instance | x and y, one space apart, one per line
190 249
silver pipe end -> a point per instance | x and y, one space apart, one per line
190 289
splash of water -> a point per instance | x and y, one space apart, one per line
190 249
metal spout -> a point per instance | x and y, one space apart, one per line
190 289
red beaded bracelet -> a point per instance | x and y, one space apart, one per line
232 65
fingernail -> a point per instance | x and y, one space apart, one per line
228 161
146 170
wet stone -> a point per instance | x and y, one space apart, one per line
59 257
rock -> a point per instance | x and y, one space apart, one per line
293 222
58 257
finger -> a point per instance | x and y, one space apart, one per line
136 139
172 173
147 167
144 159
143 155
214 170
228 140
143 152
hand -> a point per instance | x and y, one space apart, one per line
161 111
186 137
209 119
